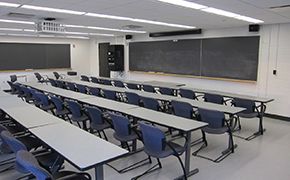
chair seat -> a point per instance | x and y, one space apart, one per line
99 127
48 160
167 151
131 137
30 142
248 115
62 112
69 175
80 119
215 130
48 107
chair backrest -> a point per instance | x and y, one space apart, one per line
150 103
71 86
94 91
19 89
215 119
109 94
186 93
148 88
72 73
43 98
105 81
182 109
245 103
95 115
30 163
213 98
38 76
118 83
12 86
34 95
133 98
85 78
26 91
132 86
13 78
153 138
94 79
81 88
60 84
166 91
14 144
74 108
58 103
56 75
121 125
52 82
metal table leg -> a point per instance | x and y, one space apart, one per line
99 172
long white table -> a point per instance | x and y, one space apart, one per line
82 149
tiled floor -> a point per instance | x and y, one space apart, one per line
264 158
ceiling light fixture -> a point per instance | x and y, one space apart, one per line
39 8
10 29
9 4
15 21
212 10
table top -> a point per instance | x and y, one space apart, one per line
167 120
82 149
232 95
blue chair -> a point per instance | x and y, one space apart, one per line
133 98
57 75
51 161
97 121
186 93
60 84
155 145
19 90
40 78
105 81
60 109
95 80
125 133
216 125
252 111
26 160
81 88
148 88
45 103
182 109
27 94
85 78
150 103
132 86
52 82
166 91
36 99
71 86
213 98
108 94
13 89
94 91
118 83
77 114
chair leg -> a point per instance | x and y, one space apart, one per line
153 168
183 168
105 136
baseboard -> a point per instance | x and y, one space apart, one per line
274 116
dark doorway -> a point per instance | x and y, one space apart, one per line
103 60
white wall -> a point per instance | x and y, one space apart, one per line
80 55
274 54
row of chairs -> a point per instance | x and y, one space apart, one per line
123 132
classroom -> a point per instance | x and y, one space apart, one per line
144 89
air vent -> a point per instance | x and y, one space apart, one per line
280 7
20 15
131 27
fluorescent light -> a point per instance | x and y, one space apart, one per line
39 8
249 19
220 12
77 37
46 36
79 33
14 21
98 34
108 16
9 4
29 30
184 4
28 35
119 30
138 20
74 26
10 29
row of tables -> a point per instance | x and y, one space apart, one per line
80 148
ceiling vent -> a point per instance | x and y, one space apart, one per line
50 27
20 15
131 27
